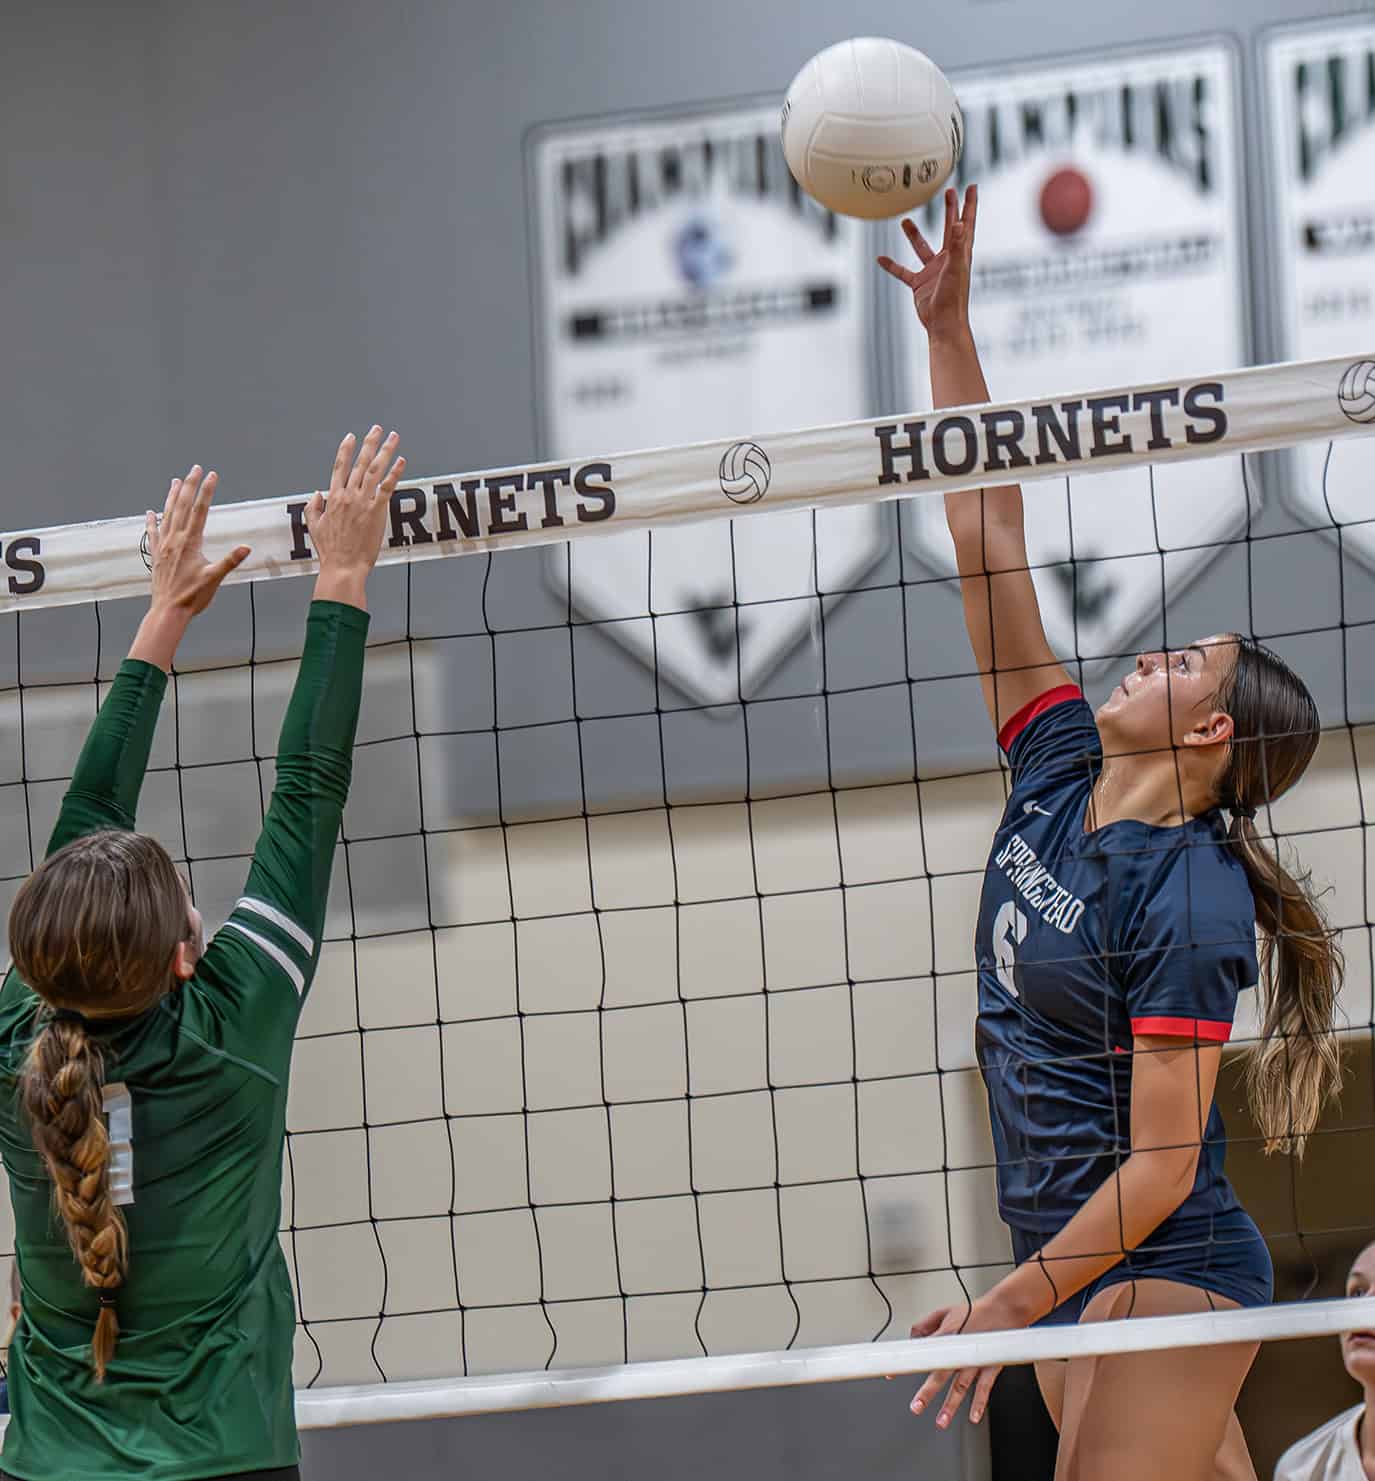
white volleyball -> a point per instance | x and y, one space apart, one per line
871 128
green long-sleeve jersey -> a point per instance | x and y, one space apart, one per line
200 1384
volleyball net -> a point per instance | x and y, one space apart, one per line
640 1059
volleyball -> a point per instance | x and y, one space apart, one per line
871 128
1356 393
744 473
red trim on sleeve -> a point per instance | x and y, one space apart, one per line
1184 1028
1061 694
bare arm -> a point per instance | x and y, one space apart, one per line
1001 611
1173 1081
1172 1091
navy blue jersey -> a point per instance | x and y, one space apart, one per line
1085 939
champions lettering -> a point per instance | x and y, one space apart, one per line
1168 117
1334 98
1056 433
1032 880
605 189
478 508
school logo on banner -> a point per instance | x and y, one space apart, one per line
1321 116
690 291
1109 251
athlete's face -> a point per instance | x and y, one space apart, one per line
1358 1348
193 948
1166 700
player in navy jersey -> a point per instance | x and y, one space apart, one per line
1116 929
143 1073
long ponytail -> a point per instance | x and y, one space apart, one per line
63 1090
1296 1068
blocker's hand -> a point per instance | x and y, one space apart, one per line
346 527
940 290
984 1315
183 580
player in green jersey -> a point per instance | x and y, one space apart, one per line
143 1075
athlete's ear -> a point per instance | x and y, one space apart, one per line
184 961
1214 729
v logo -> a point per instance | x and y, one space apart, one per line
720 624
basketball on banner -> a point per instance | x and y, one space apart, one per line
1356 394
1066 202
745 473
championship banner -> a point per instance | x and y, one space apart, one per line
688 287
1320 85
1166 424
1109 248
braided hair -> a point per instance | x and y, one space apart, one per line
94 930
63 1089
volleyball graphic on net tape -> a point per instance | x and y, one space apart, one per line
745 473
1356 393
871 128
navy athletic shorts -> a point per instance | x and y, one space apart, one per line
1221 1253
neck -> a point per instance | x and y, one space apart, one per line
1365 1431
1155 788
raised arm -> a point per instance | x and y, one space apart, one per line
105 786
275 928
1001 611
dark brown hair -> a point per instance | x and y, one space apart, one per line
93 930
1296 1068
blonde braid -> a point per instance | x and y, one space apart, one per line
63 1090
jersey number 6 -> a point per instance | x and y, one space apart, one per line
1009 931
119 1114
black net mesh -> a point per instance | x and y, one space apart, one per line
645 1025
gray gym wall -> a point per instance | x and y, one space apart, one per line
233 230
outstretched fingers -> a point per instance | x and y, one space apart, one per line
978 1405
343 461
377 467
929 1390
200 505
969 215
920 245
185 502
170 502
388 485
222 567
964 1381
362 464
952 215
904 275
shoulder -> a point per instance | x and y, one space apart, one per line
209 1041
1194 873
18 1003
1316 1457
1055 728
